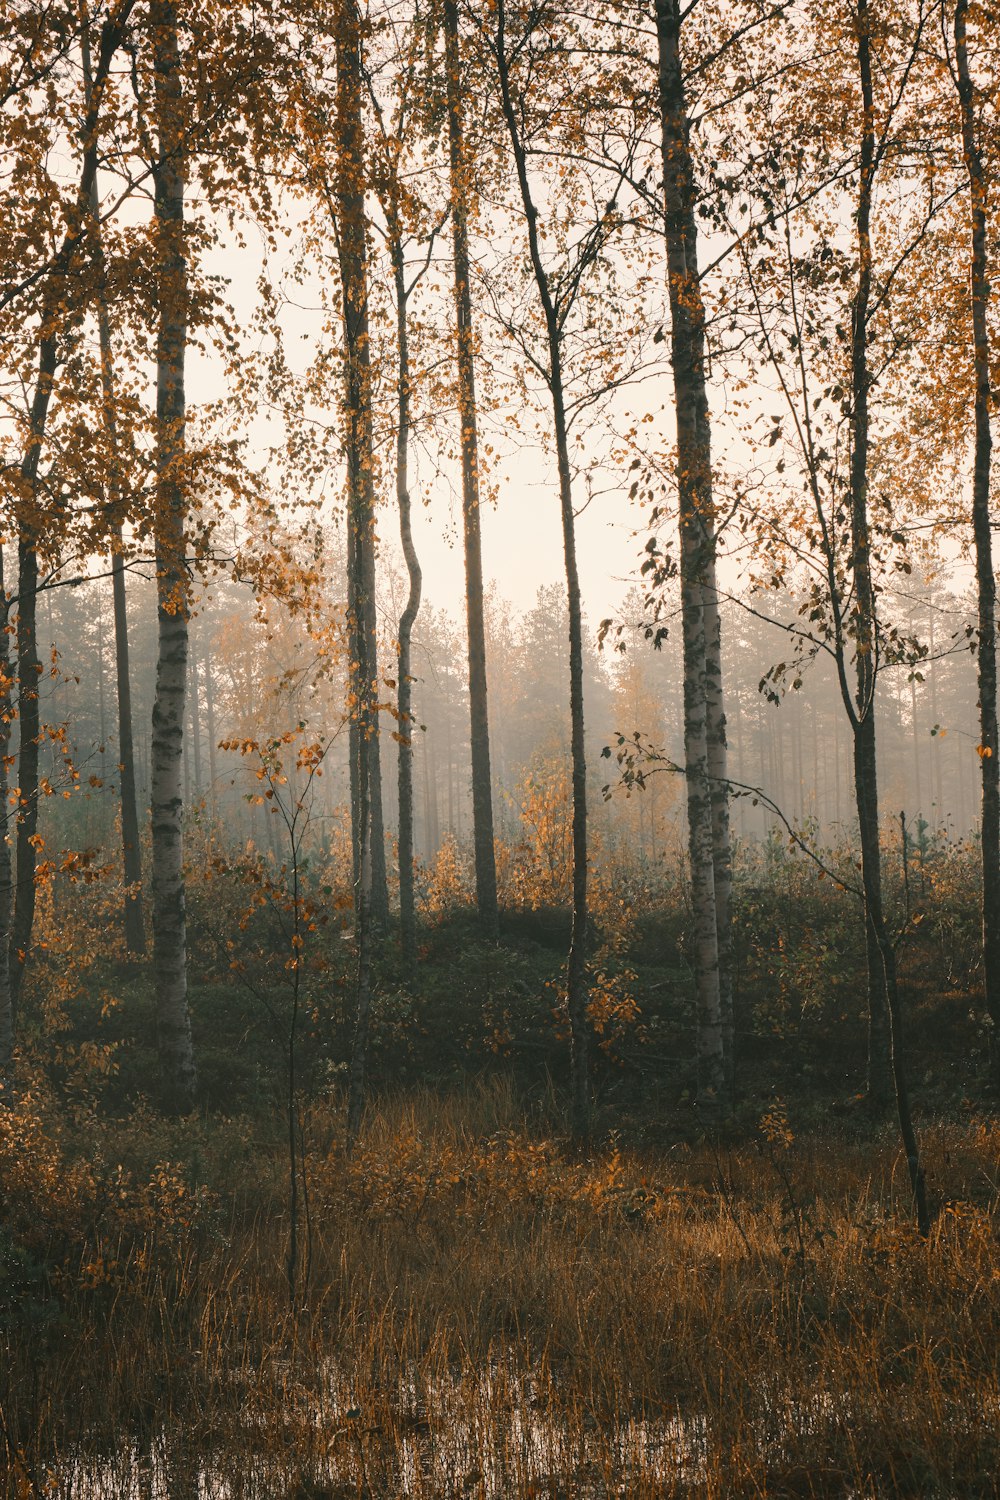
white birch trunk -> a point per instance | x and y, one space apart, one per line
704 717
173 602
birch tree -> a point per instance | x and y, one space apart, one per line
172 581
351 224
460 181
986 649
704 715
135 935
351 228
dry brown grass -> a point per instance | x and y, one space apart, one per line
489 1316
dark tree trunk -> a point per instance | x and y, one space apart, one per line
172 584
371 894
865 639
482 781
29 670
135 929
404 687
579 1020
6 715
989 748
885 1058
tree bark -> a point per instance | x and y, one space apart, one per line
135 927
705 753
29 670
404 686
6 892
371 894
172 583
865 639
482 781
362 1024
986 655
135 933
353 253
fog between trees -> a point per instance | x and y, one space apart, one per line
455 1043
713 264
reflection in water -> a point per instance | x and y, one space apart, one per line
495 1437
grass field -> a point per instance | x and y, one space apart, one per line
481 1312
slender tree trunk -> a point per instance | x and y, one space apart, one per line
865 639
186 754
371 894
173 589
451 768
989 748
718 770
210 725
353 251
6 892
915 745
102 724
195 716
135 927
362 1025
135 934
705 752
936 782
482 781
404 687
29 671
579 1020
885 1033
353 733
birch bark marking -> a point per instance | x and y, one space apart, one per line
172 583
986 650
704 719
135 931
482 782
352 245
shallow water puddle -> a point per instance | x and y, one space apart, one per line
492 1438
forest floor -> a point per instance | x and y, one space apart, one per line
471 1306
